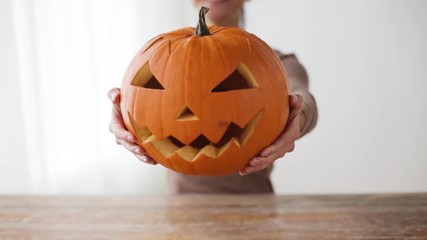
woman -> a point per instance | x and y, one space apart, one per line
255 177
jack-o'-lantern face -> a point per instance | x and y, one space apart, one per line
204 105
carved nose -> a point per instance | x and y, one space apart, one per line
186 115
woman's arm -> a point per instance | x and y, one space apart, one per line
299 84
302 117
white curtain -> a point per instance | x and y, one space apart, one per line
69 54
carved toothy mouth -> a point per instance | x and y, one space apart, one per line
201 145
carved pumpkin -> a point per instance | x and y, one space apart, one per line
205 102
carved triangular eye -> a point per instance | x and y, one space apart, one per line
144 78
153 83
241 78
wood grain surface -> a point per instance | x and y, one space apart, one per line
397 216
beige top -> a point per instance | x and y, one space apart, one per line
258 182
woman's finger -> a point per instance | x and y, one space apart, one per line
123 136
296 103
120 132
114 95
116 124
130 146
146 159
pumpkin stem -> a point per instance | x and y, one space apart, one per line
202 29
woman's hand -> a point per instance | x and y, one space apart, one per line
124 137
285 143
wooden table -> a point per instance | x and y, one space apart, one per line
214 217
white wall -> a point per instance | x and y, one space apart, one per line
367 63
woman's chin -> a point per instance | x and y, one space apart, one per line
215 1
215 4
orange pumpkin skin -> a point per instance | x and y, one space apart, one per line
169 120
